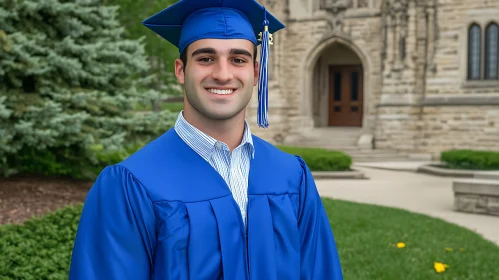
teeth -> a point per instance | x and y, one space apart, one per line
221 91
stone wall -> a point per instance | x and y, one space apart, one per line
479 196
449 71
460 127
396 128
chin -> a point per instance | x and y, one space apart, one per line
220 116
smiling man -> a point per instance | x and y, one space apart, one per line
207 199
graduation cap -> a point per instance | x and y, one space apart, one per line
190 20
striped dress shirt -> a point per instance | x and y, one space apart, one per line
233 167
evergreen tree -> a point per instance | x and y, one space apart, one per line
161 53
68 82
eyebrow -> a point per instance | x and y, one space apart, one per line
204 50
213 51
240 52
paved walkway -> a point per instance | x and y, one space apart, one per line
416 192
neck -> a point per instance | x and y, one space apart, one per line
228 131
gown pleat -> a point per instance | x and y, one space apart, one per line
261 244
173 233
231 237
285 236
204 264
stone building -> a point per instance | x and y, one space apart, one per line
412 76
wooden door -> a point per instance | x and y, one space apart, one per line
346 95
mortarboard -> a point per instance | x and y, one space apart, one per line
190 20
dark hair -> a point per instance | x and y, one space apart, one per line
183 56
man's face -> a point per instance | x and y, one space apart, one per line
219 77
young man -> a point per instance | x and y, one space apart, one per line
207 199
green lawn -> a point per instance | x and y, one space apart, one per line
366 236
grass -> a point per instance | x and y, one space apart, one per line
366 236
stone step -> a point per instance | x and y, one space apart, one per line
329 138
336 146
331 133
332 142
357 151
331 147
315 134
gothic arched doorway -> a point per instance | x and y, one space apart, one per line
338 98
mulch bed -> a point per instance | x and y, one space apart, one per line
24 197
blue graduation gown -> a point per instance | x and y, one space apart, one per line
165 213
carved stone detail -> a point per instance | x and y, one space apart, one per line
395 20
431 17
336 12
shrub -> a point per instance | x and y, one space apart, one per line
470 159
321 159
50 163
41 248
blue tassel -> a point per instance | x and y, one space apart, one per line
263 90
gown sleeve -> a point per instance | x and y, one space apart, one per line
319 256
116 232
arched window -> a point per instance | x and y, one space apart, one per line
474 52
491 51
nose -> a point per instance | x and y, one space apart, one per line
222 72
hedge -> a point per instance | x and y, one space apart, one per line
47 163
41 248
319 159
471 159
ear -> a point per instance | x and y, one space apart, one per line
179 70
256 71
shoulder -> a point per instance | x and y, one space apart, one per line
116 182
145 165
275 158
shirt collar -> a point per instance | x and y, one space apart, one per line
202 143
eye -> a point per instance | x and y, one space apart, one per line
239 60
205 59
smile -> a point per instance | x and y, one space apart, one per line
220 91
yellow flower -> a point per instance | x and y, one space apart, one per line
401 245
439 267
448 249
